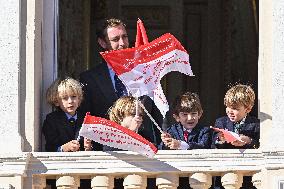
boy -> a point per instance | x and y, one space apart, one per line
186 134
239 101
123 112
61 127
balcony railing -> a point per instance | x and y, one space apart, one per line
166 167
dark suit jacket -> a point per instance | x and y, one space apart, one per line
198 138
58 131
250 129
99 96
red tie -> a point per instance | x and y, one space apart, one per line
185 135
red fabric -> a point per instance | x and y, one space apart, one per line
185 135
111 130
125 60
228 135
141 36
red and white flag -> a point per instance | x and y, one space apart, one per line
109 133
229 136
142 68
141 36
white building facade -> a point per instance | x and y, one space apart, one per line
27 49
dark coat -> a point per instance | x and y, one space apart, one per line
198 138
250 129
58 131
99 96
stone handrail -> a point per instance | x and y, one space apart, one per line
167 166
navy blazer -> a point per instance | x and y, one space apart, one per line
58 131
198 138
251 129
99 96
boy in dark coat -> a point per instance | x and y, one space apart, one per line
239 101
61 127
187 134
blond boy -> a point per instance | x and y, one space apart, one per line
61 127
239 101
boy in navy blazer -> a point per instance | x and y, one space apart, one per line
61 127
186 134
239 101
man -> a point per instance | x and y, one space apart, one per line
102 87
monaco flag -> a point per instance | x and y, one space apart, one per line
142 68
141 36
109 133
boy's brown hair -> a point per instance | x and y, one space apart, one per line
187 102
61 87
240 95
124 106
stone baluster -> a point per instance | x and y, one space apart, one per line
200 181
67 182
135 182
167 181
39 182
256 180
232 180
102 182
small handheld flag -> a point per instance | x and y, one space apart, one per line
109 133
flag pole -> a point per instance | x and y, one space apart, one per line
137 104
151 118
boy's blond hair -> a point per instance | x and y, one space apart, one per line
61 87
124 106
240 95
188 102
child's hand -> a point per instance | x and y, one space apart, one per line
174 144
135 123
88 144
245 140
166 138
71 146
221 137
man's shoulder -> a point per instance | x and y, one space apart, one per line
97 69
93 70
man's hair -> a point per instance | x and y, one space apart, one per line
61 87
239 95
107 23
124 106
187 102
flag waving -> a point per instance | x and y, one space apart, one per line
141 36
142 68
109 133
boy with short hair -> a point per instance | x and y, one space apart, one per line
187 133
239 101
61 127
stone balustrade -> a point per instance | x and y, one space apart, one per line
30 170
